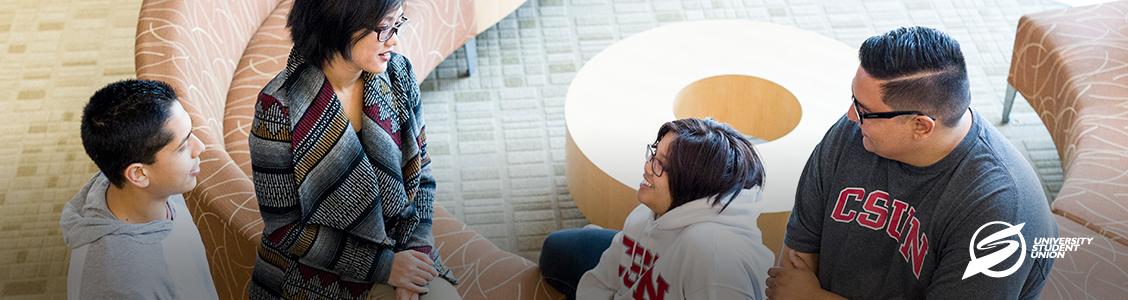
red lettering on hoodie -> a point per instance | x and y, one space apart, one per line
641 271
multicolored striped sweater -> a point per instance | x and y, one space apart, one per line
337 204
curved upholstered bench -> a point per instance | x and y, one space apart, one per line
1070 64
218 55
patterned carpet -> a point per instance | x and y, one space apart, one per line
497 138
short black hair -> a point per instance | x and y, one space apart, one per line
322 29
923 70
124 124
709 159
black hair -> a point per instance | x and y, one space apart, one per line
322 29
709 159
124 124
923 70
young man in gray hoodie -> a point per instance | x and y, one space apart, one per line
130 234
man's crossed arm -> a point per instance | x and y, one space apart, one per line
794 277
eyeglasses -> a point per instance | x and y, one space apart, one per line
386 33
882 115
655 165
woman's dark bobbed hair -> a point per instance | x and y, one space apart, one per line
321 29
709 159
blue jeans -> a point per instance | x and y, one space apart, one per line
569 253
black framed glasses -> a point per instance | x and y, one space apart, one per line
882 115
655 165
386 33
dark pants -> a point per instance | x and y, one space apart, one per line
568 253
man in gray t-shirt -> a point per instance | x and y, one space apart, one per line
890 200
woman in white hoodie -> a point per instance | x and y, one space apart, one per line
694 236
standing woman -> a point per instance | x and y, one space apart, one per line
340 163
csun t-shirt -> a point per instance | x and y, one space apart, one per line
884 229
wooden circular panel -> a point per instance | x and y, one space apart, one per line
754 106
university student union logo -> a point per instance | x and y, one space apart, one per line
994 241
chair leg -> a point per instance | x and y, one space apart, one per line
471 48
1008 103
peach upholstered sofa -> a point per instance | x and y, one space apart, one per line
1072 66
218 54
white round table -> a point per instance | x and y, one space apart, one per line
620 98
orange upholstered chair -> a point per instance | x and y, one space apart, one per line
1071 65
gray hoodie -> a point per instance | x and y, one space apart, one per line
111 259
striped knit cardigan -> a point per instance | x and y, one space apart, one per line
337 204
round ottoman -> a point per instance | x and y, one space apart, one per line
780 85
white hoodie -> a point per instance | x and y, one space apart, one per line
691 252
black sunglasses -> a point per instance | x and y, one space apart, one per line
882 115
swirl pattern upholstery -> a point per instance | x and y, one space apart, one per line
218 55
1070 65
